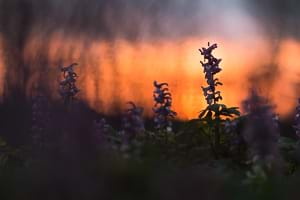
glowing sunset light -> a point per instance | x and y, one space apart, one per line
112 73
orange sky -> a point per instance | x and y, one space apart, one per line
114 73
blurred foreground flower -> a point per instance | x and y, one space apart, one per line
261 132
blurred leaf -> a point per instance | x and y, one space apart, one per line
287 143
234 110
202 114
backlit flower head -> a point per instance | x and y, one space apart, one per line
163 107
211 68
67 87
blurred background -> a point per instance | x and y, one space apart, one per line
123 46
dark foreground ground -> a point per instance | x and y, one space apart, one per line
69 162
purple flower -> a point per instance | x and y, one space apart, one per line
210 68
162 107
132 121
67 87
261 132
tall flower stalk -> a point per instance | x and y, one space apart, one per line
214 113
67 86
210 69
163 107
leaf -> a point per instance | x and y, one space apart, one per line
208 117
227 114
234 110
230 111
203 113
214 108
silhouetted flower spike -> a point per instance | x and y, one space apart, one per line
297 119
68 89
132 121
69 70
206 52
161 92
210 68
162 107
214 112
159 85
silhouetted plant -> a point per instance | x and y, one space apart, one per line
211 68
261 132
132 132
163 113
132 121
68 89
214 114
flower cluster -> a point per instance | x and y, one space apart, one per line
211 67
132 121
261 132
162 108
297 119
68 89
40 120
